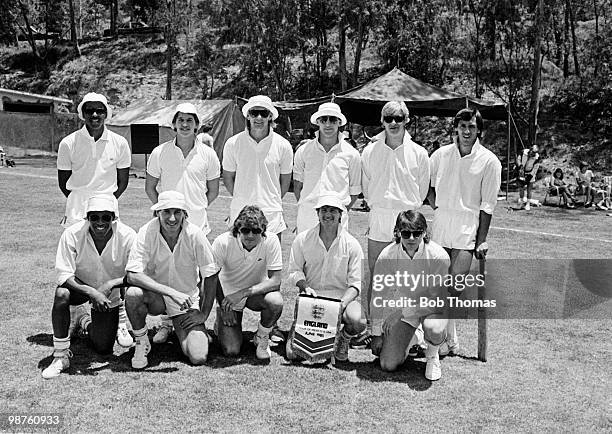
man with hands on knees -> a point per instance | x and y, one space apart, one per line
248 266
165 272
90 266
326 261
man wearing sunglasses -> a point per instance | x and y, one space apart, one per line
465 181
257 164
394 327
248 274
92 160
395 177
169 261
324 165
326 261
90 267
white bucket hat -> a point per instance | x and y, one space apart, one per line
170 199
94 97
260 101
330 200
102 202
328 109
186 108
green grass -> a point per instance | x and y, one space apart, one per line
541 374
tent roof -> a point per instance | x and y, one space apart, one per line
160 111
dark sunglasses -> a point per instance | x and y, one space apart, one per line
406 234
397 119
106 218
91 110
255 231
263 113
332 119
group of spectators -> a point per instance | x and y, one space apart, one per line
169 267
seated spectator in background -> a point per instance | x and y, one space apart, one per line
601 188
205 137
248 265
169 261
584 180
90 266
527 165
562 188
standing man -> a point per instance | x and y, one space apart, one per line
186 165
324 165
528 164
90 266
248 274
257 165
166 269
92 161
326 261
395 178
465 181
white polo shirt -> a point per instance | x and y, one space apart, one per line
78 257
430 259
394 179
258 167
187 175
464 187
239 268
176 268
328 272
94 167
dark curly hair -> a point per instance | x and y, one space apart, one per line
250 216
412 221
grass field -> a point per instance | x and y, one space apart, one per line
542 375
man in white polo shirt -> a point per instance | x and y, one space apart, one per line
249 265
186 165
326 261
465 181
90 267
92 160
165 271
257 164
394 178
324 165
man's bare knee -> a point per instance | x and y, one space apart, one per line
230 350
388 365
62 296
274 301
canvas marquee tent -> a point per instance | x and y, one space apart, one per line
223 115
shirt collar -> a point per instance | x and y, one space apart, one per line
473 152
104 135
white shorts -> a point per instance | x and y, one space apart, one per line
381 222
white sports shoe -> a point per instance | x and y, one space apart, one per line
124 338
143 346
433 370
162 335
262 344
527 206
60 363
342 347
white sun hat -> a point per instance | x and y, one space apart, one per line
94 97
328 109
330 200
260 101
187 108
170 199
102 202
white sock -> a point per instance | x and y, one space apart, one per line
123 319
140 333
263 331
61 346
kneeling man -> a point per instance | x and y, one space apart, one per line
90 266
248 265
167 265
326 261
412 253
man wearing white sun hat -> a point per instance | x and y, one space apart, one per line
92 160
166 270
187 165
327 164
257 164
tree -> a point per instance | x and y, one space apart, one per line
534 106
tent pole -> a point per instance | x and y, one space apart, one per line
509 139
